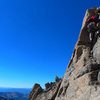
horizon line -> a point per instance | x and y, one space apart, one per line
16 87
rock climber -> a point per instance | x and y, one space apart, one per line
92 26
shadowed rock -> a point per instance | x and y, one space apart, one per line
49 94
36 90
57 79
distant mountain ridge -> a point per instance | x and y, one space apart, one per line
2 98
13 96
20 90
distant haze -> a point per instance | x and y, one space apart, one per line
20 90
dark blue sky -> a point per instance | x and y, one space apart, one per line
37 38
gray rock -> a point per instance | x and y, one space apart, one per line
49 94
36 90
82 77
47 86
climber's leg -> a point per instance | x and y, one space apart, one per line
91 36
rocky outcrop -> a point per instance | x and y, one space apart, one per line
48 94
81 80
82 77
35 92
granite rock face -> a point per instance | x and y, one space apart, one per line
50 93
82 77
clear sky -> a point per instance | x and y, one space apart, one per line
37 38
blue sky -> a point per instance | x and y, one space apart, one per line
37 38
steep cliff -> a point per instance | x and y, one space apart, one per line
82 77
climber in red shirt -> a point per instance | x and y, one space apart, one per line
92 26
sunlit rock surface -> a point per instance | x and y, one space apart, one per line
82 77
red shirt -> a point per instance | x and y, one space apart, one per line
94 19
